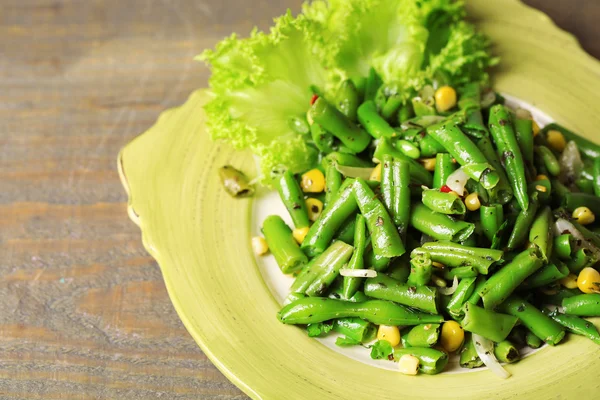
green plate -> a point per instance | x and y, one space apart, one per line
201 239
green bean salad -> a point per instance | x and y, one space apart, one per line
434 220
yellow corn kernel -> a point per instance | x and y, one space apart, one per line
376 174
452 336
556 140
315 208
438 265
260 246
541 178
541 188
429 164
569 281
408 365
588 280
445 98
300 234
472 202
536 128
313 181
390 334
584 215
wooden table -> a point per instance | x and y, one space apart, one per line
83 309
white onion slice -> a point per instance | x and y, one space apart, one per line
570 163
358 273
447 291
562 225
457 181
485 350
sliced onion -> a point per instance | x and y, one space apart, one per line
447 291
485 350
457 181
562 225
571 164
358 273
355 172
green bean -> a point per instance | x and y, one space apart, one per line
293 198
373 123
336 294
468 355
373 84
546 275
444 203
461 273
421 269
506 352
589 236
504 135
585 146
299 125
382 287
578 326
523 224
573 201
541 232
387 183
549 159
235 182
282 245
582 258
342 206
400 269
401 195
423 107
459 298
585 186
405 113
470 97
583 305
439 226
444 167
333 182
355 328
474 125
557 297
466 153
384 237
563 246
455 255
346 232
373 261
346 160
428 145
311 310
596 177
347 99
339 126
524 131
392 106
489 324
409 149
492 218
533 341
357 260
500 285
431 361
539 324
418 172
502 192
426 335
323 280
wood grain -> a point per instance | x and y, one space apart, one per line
83 310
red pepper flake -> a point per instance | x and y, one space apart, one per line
314 99
445 189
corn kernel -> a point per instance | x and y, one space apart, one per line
390 334
541 188
569 281
313 181
315 208
536 128
541 177
472 202
260 246
556 140
452 336
445 98
300 234
429 164
584 215
408 365
376 174
588 280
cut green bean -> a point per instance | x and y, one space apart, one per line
523 224
282 245
235 182
333 182
583 305
506 352
564 246
382 287
541 232
372 85
578 326
596 177
431 361
425 335
444 167
524 131
489 324
461 273
421 269
439 226
533 341
573 201
459 298
401 195
455 255
502 192
492 218
444 203
355 328
581 259
373 123
351 284
347 99
418 172
468 355
547 275
549 159
293 198
541 325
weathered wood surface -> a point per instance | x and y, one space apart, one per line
83 310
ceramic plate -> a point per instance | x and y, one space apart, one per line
228 301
